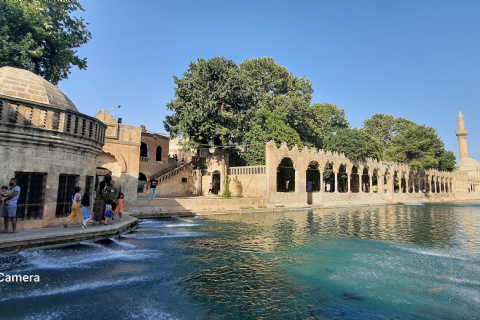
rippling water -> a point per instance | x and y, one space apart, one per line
385 262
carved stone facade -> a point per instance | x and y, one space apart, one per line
47 145
121 154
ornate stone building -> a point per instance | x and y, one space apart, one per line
47 144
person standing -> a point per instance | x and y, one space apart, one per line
9 210
99 205
153 188
210 188
76 208
112 194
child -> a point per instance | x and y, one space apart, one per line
85 212
119 208
3 195
108 214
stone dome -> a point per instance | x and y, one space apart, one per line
27 86
468 162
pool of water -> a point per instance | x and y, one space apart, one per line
378 262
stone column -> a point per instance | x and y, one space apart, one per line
348 182
321 181
360 183
336 182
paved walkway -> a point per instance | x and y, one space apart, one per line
60 235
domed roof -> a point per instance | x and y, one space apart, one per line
468 162
26 85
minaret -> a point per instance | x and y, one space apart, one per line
462 136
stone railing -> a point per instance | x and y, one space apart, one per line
173 172
144 159
48 118
246 170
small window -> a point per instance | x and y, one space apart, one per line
143 150
184 180
159 154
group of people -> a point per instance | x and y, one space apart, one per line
213 188
108 201
8 205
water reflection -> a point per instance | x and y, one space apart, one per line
427 225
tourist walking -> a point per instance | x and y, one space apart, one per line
76 208
213 188
99 205
85 212
153 188
210 188
9 210
120 205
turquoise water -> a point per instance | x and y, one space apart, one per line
386 262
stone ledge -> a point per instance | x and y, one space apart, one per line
60 235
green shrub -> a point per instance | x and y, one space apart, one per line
246 207
262 206
227 193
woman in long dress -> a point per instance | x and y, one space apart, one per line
99 205
76 208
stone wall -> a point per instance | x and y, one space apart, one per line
398 177
149 165
174 187
47 154
121 154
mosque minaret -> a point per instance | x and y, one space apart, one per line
462 136
468 165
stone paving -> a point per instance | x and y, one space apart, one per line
60 235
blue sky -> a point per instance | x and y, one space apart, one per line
414 59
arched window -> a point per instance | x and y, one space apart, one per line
142 177
286 176
143 150
159 154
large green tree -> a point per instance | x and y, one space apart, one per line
41 36
211 102
354 143
407 142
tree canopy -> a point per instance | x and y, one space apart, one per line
354 143
218 102
41 36
407 142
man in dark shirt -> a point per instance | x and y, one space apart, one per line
153 188
111 194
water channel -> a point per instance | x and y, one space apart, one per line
372 262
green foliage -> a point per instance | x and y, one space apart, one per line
227 193
354 143
323 119
40 36
211 101
268 125
407 142
246 207
238 186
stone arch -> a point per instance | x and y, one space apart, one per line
118 157
343 178
366 180
107 161
313 176
286 175
354 179
328 177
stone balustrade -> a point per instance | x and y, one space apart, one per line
246 170
52 119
